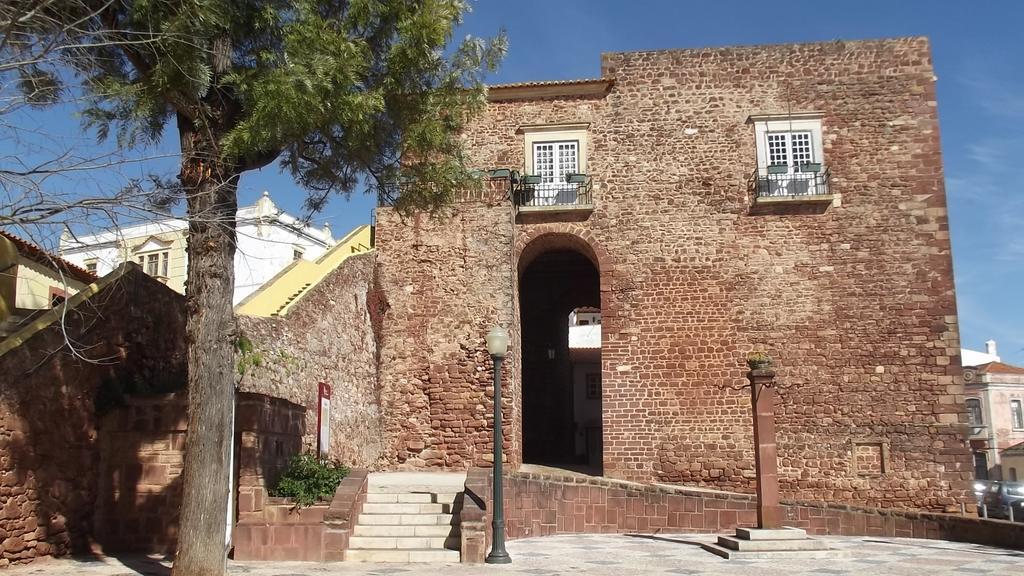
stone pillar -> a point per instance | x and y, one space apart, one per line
766 464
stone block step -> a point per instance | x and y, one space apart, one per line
807 544
410 498
436 530
402 555
405 482
404 519
405 508
403 542
730 554
771 534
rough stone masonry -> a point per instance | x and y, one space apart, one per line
855 302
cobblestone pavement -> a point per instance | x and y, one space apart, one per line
618 555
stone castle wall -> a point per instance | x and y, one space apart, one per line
129 339
327 336
855 302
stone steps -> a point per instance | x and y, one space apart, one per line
406 508
404 519
362 555
420 530
754 544
408 517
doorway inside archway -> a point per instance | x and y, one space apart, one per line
560 319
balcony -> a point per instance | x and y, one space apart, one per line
531 194
808 183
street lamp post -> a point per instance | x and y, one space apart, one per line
497 346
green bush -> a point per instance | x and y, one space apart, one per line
308 479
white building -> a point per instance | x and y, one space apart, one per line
976 358
268 240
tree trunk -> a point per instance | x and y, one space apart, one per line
211 188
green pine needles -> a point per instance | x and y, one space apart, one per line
309 480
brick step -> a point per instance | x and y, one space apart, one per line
806 544
730 554
786 533
403 519
402 543
422 555
432 530
406 508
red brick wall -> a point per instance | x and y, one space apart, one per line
268 433
48 409
326 337
539 505
141 450
855 303
279 531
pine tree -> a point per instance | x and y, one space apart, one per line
338 91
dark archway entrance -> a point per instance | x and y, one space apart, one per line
561 384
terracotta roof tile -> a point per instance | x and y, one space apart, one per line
37 254
549 83
1013 450
999 368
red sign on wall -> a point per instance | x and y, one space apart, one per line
323 419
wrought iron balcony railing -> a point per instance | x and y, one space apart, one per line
553 195
783 181
575 192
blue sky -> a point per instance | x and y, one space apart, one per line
978 60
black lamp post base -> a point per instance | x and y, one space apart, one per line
498 558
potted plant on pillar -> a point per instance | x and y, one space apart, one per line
759 360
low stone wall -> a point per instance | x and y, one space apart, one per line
542 505
268 433
345 510
280 531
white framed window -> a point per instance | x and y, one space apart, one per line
790 155
90 265
552 161
155 264
974 417
550 152
1017 414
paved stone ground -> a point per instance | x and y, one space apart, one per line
618 555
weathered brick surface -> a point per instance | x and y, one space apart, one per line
855 303
268 433
141 451
281 532
326 337
445 284
49 397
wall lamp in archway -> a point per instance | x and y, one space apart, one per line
497 347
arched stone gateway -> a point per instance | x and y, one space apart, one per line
559 304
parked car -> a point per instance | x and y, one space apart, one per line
1000 497
981 488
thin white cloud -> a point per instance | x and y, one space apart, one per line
995 94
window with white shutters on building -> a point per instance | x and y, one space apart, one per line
155 264
551 162
789 157
554 177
